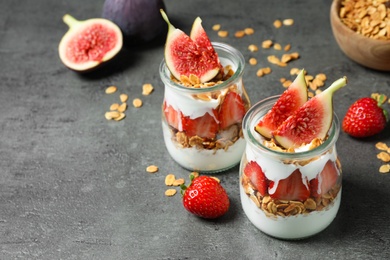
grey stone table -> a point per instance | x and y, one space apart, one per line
73 185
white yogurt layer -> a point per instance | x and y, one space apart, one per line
204 160
291 227
275 170
195 107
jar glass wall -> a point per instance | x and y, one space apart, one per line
289 195
202 125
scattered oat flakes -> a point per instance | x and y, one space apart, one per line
223 34
178 182
252 61
137 102
111 89
170 192
381 146
294 71
384 168
216 27
288 22
120 117
253 48
111 115
123 97
266 44
383 156
239 34
277 46
287 47
263 71
122 107
249 31
287 83
282 80
147 89
152 168
169 179
114 107
277 23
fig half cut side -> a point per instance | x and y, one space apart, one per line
186 56
89 43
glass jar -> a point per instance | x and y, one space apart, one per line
289 195
202 126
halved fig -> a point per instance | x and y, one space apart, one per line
312 120
290 100
185 55
89 43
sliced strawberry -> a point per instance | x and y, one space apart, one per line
172 116
232 110
205 126
254 172
291 188
325 180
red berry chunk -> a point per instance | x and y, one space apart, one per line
254 172
232 110
325 180
293 187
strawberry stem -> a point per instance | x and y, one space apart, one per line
183 187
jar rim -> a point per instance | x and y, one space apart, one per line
219 48
259 109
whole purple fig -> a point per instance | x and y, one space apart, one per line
139 20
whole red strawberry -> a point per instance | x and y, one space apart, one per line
365 117
205 197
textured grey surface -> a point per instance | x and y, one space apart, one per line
73 185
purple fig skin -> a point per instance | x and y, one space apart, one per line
139 20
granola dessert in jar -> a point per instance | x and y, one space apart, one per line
202 122
289 193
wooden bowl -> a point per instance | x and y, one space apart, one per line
366 51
